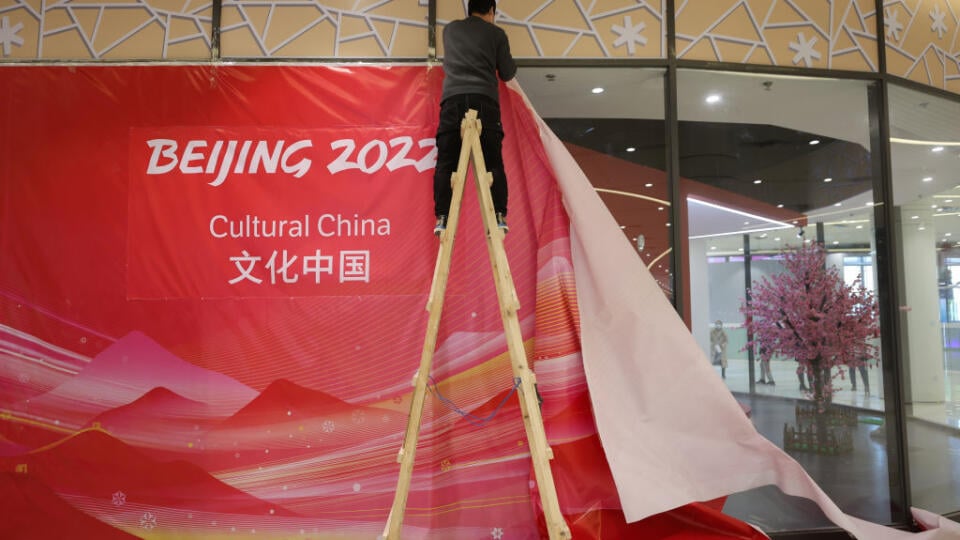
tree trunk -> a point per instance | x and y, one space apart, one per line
820 400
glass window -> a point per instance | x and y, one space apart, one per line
611 121
925 147
769 164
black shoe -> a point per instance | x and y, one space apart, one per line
502 223
771 383
440 226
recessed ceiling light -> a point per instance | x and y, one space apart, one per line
660 209
948 200
933 206
597 90
713 248
623 227
859 226
713 98
948 234
937 149
746 222
758 181
777 239
814 142
836 242
631 149
838 204
780 205
914 217
928 179
828 180
921 228
648 185
668 224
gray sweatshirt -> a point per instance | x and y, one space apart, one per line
474 52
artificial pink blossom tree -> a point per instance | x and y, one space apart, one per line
807 312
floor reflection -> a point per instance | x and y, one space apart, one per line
858 482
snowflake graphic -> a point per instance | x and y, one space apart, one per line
328 426
893 25
629 34
938 26
496 533
148 521
358 417
119 498
8 35
804 50
24 378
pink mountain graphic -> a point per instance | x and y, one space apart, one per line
127 370
158 405
282 401
32 510
95 465
161 423
288 421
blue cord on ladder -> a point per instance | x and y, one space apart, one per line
473 419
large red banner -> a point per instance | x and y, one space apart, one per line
212 303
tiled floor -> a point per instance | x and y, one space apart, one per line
858 481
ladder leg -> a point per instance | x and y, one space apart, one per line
438 287
540 451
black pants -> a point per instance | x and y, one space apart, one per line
452 111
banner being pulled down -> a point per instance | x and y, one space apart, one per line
212 304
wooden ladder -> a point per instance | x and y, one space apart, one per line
540 450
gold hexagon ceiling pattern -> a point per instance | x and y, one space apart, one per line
105 30
923 41
828 34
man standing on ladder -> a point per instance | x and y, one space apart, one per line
475 51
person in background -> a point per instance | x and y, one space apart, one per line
766 376
475 53
718 347
863 376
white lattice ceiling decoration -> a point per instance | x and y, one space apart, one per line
828 34
576 28
328 29
923 41
922 36
105 30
